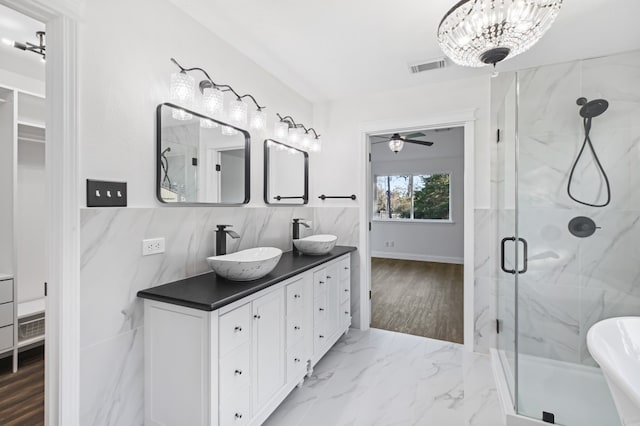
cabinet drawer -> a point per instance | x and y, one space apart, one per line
345 313
295 298
235 370
296 329
296 363
235 410
235 328
6 314
319 282
6 291
344 268
6 338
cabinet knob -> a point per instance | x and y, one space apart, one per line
328 277
346 268
296 296
346 290
296 328
321 282
237 329
346 312
238 373
321 309
296 359
321 336
238 416
257 316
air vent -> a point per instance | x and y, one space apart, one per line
428 65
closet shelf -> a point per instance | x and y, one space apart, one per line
31 132
30 308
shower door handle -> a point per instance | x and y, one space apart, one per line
502 256
525 254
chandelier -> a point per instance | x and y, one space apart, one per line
474 33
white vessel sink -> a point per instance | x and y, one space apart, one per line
316 244
246 265
615 344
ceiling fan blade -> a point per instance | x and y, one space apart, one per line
415 135
375 142
380 136
425 143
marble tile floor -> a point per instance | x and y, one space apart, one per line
379 377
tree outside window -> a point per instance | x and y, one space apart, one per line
413 197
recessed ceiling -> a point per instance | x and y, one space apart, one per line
19 27
331 49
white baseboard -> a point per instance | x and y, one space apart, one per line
419 257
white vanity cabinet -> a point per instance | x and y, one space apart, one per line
236 364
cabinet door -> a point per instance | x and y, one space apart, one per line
333 299
269 355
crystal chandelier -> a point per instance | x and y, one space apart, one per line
481 32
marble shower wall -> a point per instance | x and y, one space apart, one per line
571 282
113 271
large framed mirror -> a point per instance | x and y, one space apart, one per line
200 160
286 174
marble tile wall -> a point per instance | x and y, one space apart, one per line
571 282
113 271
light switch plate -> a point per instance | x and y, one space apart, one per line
152 246
102 193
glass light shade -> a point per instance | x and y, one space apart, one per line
212 102
306 141
208 124
280 130
181 93
481 32
396 145
295 135
316 145
238 113
258 120
229 131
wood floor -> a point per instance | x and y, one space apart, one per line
22 393
419 298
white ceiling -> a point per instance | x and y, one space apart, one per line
19 27
328 49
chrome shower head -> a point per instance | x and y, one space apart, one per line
592 108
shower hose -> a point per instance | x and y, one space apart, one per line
587 141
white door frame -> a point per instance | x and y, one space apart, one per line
62 349
464 118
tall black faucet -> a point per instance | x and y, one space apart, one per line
221 238
296 232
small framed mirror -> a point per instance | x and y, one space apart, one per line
286 174
200 160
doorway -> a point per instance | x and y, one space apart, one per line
417 238
23 249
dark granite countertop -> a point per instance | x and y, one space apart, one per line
208 292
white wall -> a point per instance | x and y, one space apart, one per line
30 221
429 241
125 49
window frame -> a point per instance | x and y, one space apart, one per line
376 217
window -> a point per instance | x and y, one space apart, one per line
413 197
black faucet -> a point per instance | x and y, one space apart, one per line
296 232
221 238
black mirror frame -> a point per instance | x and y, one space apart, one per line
305 196
247 160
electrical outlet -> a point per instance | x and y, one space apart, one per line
152 246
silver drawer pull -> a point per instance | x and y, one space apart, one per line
346 268
328 277
238 329
238 416
296 328
346 312
321 336
321 309
296 359
321 282
296 296
238 373
346 290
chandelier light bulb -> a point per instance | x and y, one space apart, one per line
280 130
475 33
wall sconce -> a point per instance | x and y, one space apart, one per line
297 134
182 92
39 48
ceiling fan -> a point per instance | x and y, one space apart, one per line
396 142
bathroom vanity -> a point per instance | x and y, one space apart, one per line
220 352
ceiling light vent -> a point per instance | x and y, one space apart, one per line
427 66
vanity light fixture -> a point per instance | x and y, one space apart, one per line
298 134
475 33
39 48
182 92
